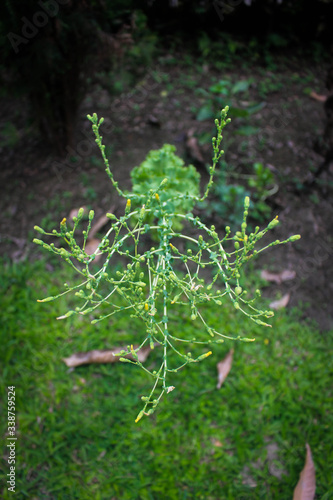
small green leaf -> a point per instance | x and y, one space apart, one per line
241 86
205 113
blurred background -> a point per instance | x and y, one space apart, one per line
159 72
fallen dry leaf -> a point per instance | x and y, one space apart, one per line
223 368
280 303
306 486
317 97
99 223
217 443
103 356
278 278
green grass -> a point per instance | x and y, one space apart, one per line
76 433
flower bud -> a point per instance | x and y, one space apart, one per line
80 213
39 229
139 417
273 223
203 356
295 237
111 216
128 206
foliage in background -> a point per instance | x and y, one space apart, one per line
53 62
76 435
226 92
157 281
230 189
48 65
121 72
267 24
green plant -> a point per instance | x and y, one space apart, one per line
228 194
51 49
165 164
222 92
226 202
269 84
157 281
279 388
263 184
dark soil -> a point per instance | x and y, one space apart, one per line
38 188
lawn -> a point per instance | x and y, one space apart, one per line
76 431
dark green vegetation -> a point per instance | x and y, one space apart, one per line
76 433
54 51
